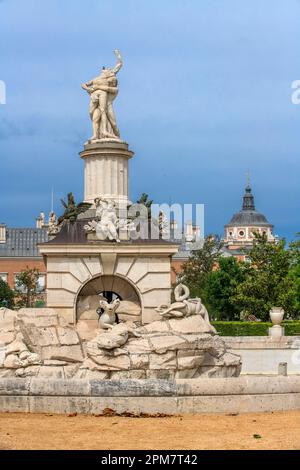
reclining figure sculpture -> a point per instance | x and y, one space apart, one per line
183 305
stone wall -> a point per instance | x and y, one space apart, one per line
149 274
216 395
263 354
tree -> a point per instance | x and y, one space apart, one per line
294 275
267 282
27 286
145 201
7 295
221 286
72 210
202 262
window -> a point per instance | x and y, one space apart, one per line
241 233
4 276
21 289
41 282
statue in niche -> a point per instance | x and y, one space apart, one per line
103 91
108 318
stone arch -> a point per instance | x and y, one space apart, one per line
87 299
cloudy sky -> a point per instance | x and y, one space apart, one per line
205 96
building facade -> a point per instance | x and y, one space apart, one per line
19 250
244 225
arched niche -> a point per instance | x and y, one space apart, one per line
89 295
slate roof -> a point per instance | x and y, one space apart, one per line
22 242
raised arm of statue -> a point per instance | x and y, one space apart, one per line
87 86
119 63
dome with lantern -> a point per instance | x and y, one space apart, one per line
246 223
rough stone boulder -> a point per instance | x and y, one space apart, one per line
176 348
38 343
7 326
129 311
39 339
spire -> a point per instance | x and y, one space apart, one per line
248 198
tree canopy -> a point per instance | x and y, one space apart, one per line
270 277
7 295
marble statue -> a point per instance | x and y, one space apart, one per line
53 227
103 90
108 220
117 336
108 317
183 305
107 223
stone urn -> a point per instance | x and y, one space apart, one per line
276 315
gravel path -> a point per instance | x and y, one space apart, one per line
280 430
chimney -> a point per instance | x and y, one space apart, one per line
2 233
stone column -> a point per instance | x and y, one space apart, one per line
106 170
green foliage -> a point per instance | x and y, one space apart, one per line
266 279
294 275
27 286
269 278
7 295
201 263
238 328
221 285
39 304
72 210
145 201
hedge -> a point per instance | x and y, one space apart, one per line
239 328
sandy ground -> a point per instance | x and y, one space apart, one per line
280 430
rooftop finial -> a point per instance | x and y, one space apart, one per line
248 199
248 179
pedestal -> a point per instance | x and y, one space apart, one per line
276 331
106 170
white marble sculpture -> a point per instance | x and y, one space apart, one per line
103 90
107 223
108 220
108 317
183 305
117 336
53 227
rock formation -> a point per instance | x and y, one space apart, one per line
37 342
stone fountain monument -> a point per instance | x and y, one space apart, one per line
110 328
95 254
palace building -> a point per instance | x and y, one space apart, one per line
240 231
19 251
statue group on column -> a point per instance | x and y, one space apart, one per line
103 91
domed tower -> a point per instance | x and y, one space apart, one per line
244 224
